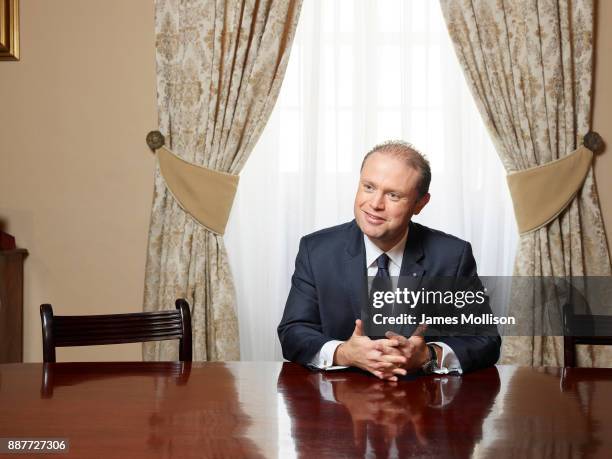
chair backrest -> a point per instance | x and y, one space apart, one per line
62 331
583 329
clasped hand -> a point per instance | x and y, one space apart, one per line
385 358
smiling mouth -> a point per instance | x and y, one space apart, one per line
373 217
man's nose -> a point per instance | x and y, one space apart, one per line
378 201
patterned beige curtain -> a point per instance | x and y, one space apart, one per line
220 64
529 64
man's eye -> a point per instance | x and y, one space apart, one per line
368 187
394 196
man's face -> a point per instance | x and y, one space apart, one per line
386 199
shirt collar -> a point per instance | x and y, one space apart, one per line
395 254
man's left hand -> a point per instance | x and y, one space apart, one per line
413 348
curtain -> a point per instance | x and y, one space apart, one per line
360 72
529 64
219 69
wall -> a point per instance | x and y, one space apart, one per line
602 109
76 176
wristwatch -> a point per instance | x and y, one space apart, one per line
432 364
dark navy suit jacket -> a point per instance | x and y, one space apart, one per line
329 286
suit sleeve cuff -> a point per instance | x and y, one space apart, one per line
324 359
450 363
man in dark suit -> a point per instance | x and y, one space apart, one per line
321 326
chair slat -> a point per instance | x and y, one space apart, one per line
128 317
116 339
95 325
135 333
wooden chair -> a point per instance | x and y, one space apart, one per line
62 331
583 329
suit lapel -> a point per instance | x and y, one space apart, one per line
355 273
412 271
413 254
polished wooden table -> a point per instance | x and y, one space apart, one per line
271 409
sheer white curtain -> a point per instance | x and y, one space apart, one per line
361 72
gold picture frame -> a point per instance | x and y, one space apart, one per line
9 30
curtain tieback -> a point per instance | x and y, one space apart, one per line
539 194
205 194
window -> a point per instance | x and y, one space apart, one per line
360 72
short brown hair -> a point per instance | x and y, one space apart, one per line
414 158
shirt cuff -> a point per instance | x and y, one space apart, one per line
324 359
450 362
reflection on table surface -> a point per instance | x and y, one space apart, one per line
270 409
384 419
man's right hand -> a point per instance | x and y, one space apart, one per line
380 357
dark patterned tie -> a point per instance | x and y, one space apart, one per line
382 280
380 283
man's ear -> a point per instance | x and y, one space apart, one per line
421 203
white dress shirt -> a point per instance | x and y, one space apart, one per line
324 359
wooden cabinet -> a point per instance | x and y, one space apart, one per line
11 305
